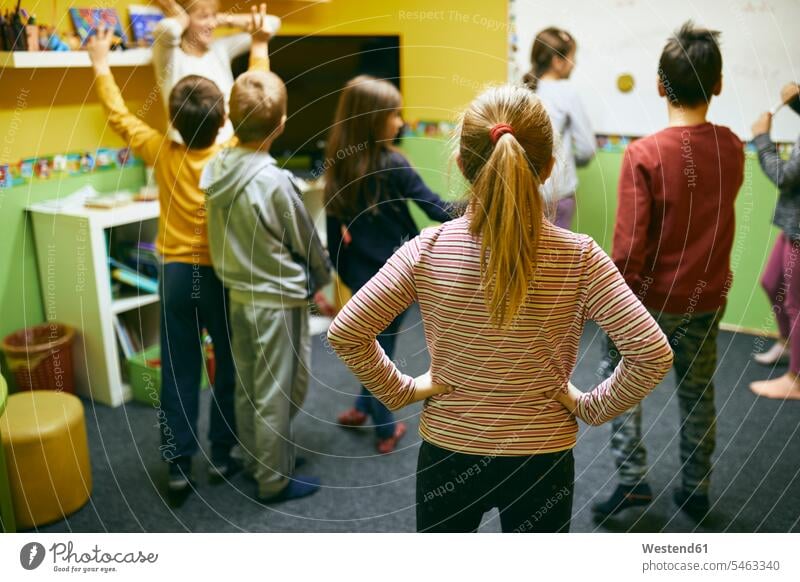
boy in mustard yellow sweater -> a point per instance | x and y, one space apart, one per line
192 297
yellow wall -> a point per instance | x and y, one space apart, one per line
447 53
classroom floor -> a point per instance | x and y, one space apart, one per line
755 484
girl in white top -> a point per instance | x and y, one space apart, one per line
552 61
184 45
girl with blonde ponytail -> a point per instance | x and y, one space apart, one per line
510 162
504 295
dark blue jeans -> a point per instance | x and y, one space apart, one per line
192 297
381 416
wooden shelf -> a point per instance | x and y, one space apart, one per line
135 57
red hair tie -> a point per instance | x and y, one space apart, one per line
500 130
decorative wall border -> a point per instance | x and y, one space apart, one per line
44 168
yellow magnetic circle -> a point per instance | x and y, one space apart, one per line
625 82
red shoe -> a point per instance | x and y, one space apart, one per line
352 417
386 446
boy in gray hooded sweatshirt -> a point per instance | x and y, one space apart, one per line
266 252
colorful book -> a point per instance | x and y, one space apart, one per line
124 338
124 274
141 256
86 21
143 22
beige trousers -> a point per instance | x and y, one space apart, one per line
271 352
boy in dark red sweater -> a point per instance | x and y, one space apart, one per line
672 243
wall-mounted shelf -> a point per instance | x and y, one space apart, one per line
135 57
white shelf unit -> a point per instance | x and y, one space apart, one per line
135 57
75 280
76 286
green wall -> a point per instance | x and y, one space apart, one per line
20 294
597 205
20 297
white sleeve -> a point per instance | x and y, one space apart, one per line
231 46
583 138
166 51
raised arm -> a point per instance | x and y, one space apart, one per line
646 355
785 174
261 32
167 41
233 45
142 139
172 9
354 331
242 21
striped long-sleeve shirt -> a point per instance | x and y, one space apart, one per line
500 377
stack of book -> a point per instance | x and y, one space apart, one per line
131 277
135 272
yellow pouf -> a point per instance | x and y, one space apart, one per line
47 456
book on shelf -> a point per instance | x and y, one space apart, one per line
127 340
140 256
125 274
108 201
86 21
143 22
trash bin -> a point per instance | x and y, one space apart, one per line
40 357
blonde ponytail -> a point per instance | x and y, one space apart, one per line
505 170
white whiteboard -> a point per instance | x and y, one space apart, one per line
760 46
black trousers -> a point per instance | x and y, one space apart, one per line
192 298
533 493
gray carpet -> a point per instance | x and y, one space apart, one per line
755 483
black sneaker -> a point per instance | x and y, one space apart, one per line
624 497
695 505
180 474
220 470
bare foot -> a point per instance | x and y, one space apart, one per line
787 387
778 353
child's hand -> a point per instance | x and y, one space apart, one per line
323 306
762 124
98 46
425 387
260 26
567 398
171 8
789 91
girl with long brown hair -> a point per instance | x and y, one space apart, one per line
368 184
504 296
552 62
